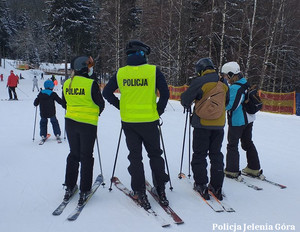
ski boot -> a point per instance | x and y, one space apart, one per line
216 191
233 175
254 173
83 197
202 189
142 199
70 192
160 192
58 138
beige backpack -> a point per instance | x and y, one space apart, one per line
212 105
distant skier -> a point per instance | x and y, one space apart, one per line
12 83
1 77
46 100
35 84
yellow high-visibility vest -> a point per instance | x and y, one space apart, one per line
80 105
137 85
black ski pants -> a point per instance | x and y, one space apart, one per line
208 142
12 91
147 134
243 133
81 138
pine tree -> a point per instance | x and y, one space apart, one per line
6 28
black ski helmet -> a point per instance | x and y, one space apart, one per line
135 46
80 65
204 64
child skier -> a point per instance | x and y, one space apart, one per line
35 84
46 100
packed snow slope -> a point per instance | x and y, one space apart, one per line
31 175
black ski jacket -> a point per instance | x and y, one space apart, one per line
46 100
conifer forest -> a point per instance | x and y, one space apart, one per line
263 36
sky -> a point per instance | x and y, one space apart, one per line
32 175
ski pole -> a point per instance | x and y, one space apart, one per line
163 145
184 134
171 106
189 113
115 163
34 123
101 172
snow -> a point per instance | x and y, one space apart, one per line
31 176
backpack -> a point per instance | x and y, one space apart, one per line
252 103
212 105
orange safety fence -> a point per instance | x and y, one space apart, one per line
284 103
176 91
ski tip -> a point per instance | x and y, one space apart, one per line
165 225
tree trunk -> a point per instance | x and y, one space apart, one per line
223 34
211 28
251 27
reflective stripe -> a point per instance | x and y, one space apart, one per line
80 105
137 86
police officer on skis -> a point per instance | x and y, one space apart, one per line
84 103
138 83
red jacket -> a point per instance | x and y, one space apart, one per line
12 80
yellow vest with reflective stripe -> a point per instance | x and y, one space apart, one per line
137 85
80 105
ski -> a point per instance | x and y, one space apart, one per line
76 212
151 212
62 206
44 140
223 203
167 209
242 180
265 180
212 203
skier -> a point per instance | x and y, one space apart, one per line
1 77
240 126
140 113
84 103
208 134
12 83
46 99
35 84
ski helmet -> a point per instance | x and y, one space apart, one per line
204 64
80 65
135 46
48 84
231 68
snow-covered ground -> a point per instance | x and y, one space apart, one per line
31 176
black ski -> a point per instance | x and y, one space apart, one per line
62 206
127 192
76 212
265 180
167 209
